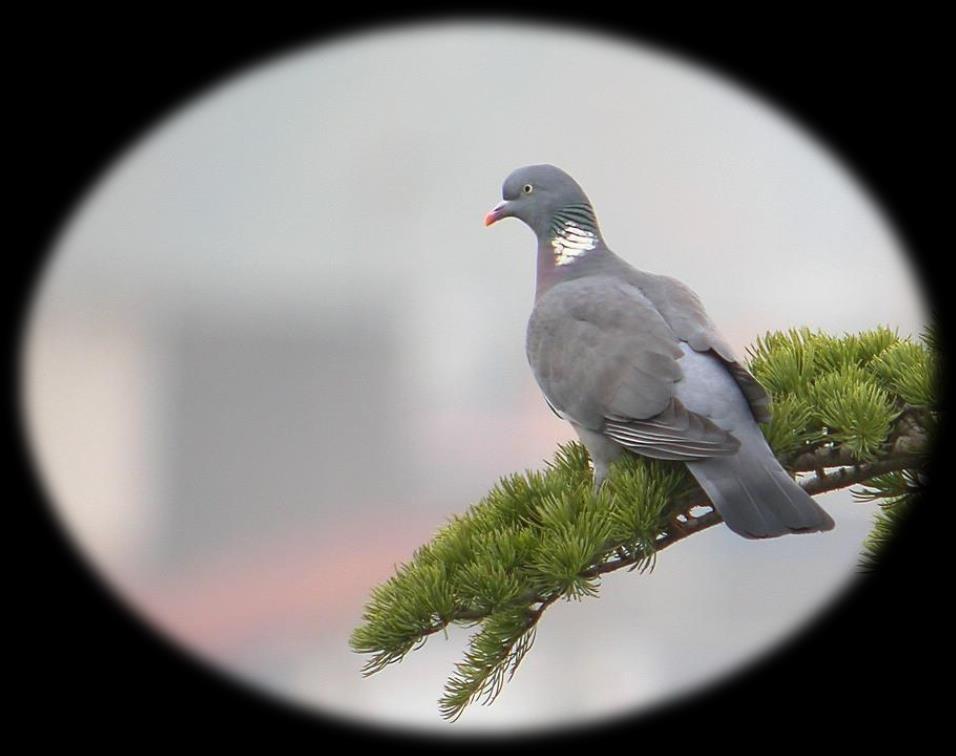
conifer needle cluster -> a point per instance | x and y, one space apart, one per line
864 403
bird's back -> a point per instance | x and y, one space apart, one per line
675 304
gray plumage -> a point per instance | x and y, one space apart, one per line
634 363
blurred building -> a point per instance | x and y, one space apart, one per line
260 426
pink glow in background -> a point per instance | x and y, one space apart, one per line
275 348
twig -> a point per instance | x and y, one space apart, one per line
909 446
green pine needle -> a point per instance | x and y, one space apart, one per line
910 370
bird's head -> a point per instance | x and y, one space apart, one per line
534 194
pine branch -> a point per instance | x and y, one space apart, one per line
852 410
844 477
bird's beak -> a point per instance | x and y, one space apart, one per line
499 211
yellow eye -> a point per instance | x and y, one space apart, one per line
527 188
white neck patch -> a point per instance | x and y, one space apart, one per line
570 241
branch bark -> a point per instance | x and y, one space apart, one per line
849 472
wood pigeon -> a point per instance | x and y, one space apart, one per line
634 363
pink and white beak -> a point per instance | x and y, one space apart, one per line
499 211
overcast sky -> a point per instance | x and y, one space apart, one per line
341 189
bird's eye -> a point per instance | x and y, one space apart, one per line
527 188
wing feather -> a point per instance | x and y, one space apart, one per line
682 310
606 360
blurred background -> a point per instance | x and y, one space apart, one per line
275 349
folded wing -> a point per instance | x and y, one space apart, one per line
606 360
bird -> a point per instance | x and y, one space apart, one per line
634 363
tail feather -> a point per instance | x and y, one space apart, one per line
755 495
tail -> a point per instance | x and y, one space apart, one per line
755 495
